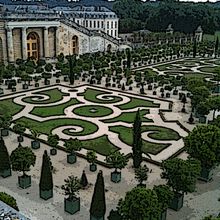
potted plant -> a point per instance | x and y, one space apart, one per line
118 161
91 158
22 158
72 145
5 165
46 178
53 141
19 129
141 175
181 176
71 188
203 143
164 195
5 122
35 144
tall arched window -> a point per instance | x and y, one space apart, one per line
75 44
33 45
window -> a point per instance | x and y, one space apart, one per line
98 24
94 24
90 22
112 24
86 23
102 24
116 24
111 32
34 46
115 33
75 45
107 24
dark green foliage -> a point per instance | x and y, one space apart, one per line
141 174
83 180
194 47
203 144
216 45
19 128
22 158
128 59
137 141
164 195
5 120
53 140
73 145
139 203
72 64
9 200
114 215
4 156
123 87
98 206
91 156
46 178
181 175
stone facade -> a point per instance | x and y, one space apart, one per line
47 35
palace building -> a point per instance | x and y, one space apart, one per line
42 32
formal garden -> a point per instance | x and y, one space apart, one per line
95 134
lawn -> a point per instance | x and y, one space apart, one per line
93 111
129 117
53 110
207 69
211 37
101 145
160 133
91 96
46 127
164 67
8 106
54 94
135 102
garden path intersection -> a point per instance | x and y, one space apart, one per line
109 99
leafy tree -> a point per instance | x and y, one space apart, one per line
73 145
137 141
5 120
181 175
53 140
202 108
22 158
164 195
194 47
117 160
19 128
139 204
9 200
83 180
48 67
98 205
203 143
46 178
4 157
141 174
91 156
71 187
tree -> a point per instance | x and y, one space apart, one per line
214 104
53 140
128 58
22 158
139 204
5 164
73 145
46 178
71 187
164 195
137 141
48 67
72 63
181 174
202 108
19 128
194 47
98 205
216 46
203 143
141 174
83 180
117 160
91 156
5 120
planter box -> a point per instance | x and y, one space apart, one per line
57 80
96 218
13 89
36 84
163 215
72 206
206 174
53 151
177 202
116 177
25 86
175 92
5 173
47 82
154 93
150 87
4 132
71 158
93 167
35 144
20 138
46 194
142 185
24 181
66 79
167 95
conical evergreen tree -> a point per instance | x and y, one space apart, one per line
194 47
216 46
4 159
128 59
83 180
71 65
46 179
98 206
137 141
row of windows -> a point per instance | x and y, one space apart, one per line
98 24
110 32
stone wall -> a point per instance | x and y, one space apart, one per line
52 39
3 48
17 44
